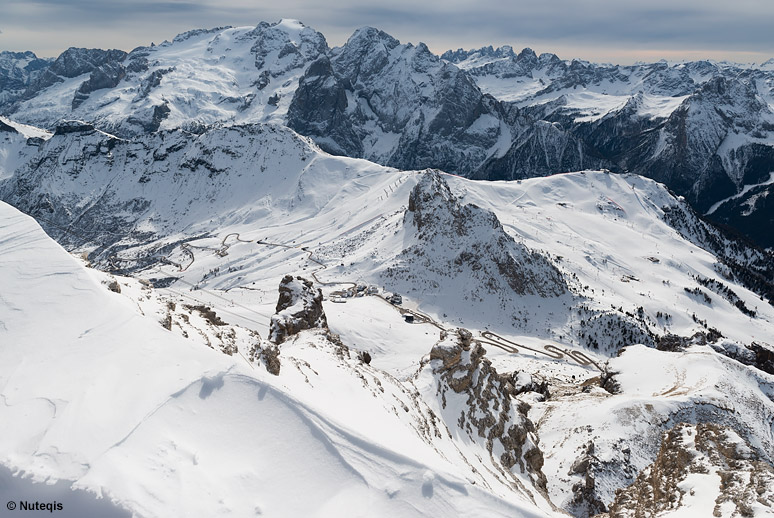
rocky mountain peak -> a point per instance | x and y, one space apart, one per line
371 38
76 61
468 243
459 55
293 43
187 35
547 58
527 54
366 54
17 69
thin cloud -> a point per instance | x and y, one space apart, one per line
593 27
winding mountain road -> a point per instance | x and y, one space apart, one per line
550 350
487 337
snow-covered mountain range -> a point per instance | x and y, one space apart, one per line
197 314
705 129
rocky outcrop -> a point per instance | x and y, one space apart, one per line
465 242
756 354
299 307
585 501
292 51
107 75
319 107
74 62
270 358
467 382
543 148
720 465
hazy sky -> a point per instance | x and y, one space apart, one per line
620 31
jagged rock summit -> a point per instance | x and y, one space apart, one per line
467 247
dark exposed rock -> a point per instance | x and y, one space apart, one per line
745 481
5 128
299 307
674 343
107 75
152 118
757 354
365 357
319 107
65 127
17 71
270 357
608 382
152 81
489 413
585 500
72 63
374 86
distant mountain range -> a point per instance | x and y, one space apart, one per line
705 129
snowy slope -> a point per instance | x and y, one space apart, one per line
18 143
235 203
216 220
201 433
